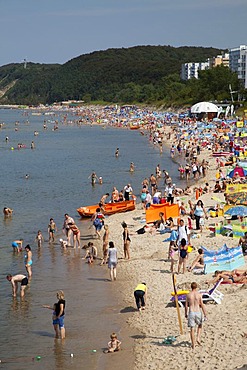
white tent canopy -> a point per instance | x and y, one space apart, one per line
204 107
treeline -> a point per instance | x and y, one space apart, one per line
144 74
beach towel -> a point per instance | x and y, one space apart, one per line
173 237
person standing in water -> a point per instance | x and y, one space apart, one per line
93 177
132 167
117 153
58 315
7 212
14 280
52 228
112 261
39 239
28 260
66 228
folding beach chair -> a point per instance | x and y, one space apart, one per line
213 295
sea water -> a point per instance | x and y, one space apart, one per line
58 182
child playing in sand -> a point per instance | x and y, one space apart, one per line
39 238
114 344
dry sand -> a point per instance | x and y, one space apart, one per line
223 347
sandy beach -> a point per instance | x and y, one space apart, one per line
223 346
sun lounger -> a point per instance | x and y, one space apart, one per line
213 295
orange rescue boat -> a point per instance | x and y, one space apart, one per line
109 208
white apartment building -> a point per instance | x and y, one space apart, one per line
190 70
238 62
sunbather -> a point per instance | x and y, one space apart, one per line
198 261
230 277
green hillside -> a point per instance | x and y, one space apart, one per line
148 74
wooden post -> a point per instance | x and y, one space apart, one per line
176 302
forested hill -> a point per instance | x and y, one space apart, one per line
138 74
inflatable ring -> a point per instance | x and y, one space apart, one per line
180 292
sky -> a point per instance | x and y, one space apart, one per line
56 31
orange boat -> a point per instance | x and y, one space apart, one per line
110 208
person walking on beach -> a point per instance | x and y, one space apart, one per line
196 307
199 212
126 240
183 233
52 228
112 261
28 260
105 244
66 228
98 221
14 280
140 293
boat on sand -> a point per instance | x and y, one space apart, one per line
109 208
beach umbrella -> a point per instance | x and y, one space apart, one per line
237 170
204 107
237 211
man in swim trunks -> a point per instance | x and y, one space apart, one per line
195 305
22 279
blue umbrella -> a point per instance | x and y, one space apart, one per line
237 211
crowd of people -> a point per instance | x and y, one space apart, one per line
157 189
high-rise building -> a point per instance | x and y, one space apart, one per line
190 70
238 62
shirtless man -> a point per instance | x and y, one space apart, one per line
14 282
195 305
103 198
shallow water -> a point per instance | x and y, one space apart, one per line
58 182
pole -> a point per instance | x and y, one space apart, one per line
177 305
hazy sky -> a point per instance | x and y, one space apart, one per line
55 31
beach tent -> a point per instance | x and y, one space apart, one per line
237 170
204 107
223 259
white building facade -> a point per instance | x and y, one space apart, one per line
238 63
190 70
